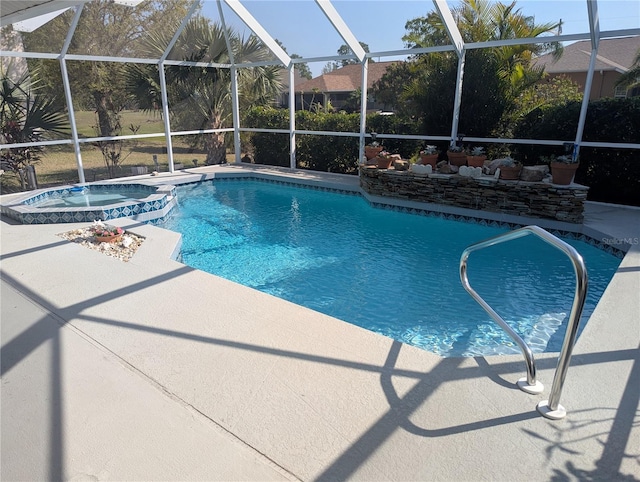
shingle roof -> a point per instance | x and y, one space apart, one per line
345 79
284 78
613 54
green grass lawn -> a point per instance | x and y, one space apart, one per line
149 123
58 165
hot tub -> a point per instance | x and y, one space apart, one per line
89 202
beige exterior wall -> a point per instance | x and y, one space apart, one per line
603 84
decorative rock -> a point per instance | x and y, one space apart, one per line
534 173
401 165
474 172
123 249
421 168
492 166
448 169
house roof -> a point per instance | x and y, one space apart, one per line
616 54
345 79
284 78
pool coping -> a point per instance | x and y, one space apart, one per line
318 398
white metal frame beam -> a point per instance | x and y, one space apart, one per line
458 45
163 85
450 25
67 91
259 30
341 27
36 9
594 29
456 39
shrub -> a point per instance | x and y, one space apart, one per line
613 175
324 153
269 148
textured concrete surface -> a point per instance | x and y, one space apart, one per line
153 370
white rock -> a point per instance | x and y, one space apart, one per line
421 168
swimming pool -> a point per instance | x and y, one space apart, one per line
389 272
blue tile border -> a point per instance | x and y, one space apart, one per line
27 212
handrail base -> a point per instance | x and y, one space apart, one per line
545 410
523 384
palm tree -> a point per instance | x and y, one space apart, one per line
631 78
27 115
493 78
201 96
481 21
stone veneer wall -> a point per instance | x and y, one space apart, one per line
535 199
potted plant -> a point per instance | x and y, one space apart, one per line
384 159
373 149
510 169
105 233
563 169
456 156
429 155
476 157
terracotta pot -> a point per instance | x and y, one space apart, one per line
431 159
109 239
510 173
384 162
370 152
457 158
562 173
476 161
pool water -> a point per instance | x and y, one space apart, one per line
87 198
389 272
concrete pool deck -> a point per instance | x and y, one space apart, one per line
151 370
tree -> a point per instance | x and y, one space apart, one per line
493 77
389 90
330 67
303 67
346 50
631 78
353 102
105 28
549 92
201 96
26 115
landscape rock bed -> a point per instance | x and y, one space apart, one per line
123 249
534 199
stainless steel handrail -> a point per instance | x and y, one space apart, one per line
549 408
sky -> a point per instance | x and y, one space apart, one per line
304 30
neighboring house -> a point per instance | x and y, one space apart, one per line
338 85
615 57
282 99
